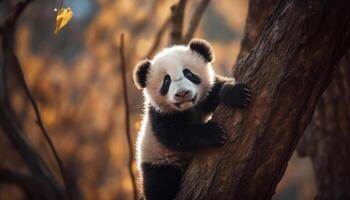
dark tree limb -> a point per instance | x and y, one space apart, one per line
195 19
327 138
158 38
176 21
8 119
15 65
14 132
177 18
34 187
289 68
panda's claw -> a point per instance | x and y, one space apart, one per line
222 139
216 134
221 127
222 142
244 105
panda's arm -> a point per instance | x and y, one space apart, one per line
179 131
228 92
212 100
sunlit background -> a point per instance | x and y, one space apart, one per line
76 78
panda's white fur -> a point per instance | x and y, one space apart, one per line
170 61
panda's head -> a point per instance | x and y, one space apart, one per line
178 77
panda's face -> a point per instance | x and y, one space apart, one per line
176 79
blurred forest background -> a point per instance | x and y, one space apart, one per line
75 76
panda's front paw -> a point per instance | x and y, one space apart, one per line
215 134
235 95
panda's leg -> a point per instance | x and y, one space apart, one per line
160 182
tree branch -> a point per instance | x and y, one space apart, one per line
327 137
158 38
127 115
177 17
196 17
34 187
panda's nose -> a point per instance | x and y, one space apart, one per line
183 93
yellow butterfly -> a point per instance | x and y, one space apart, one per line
64 15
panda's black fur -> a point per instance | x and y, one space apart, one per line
181 91
141 73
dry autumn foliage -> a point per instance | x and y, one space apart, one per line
64 15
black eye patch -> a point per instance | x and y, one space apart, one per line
165 86
191 76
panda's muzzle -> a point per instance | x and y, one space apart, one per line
183 94
193 100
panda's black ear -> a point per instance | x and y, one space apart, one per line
140 73
203 48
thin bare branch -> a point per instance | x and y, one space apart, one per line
195 19
10 23
177 17
127 115
158 38
42 126
13 18
21 6
147 18
15 134
28 183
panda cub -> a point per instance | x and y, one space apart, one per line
181 91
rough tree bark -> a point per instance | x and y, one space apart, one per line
327 138
288 70
258 13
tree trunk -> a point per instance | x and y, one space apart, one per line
288 70
327 138
258 13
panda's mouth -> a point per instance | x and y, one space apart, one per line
179 104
